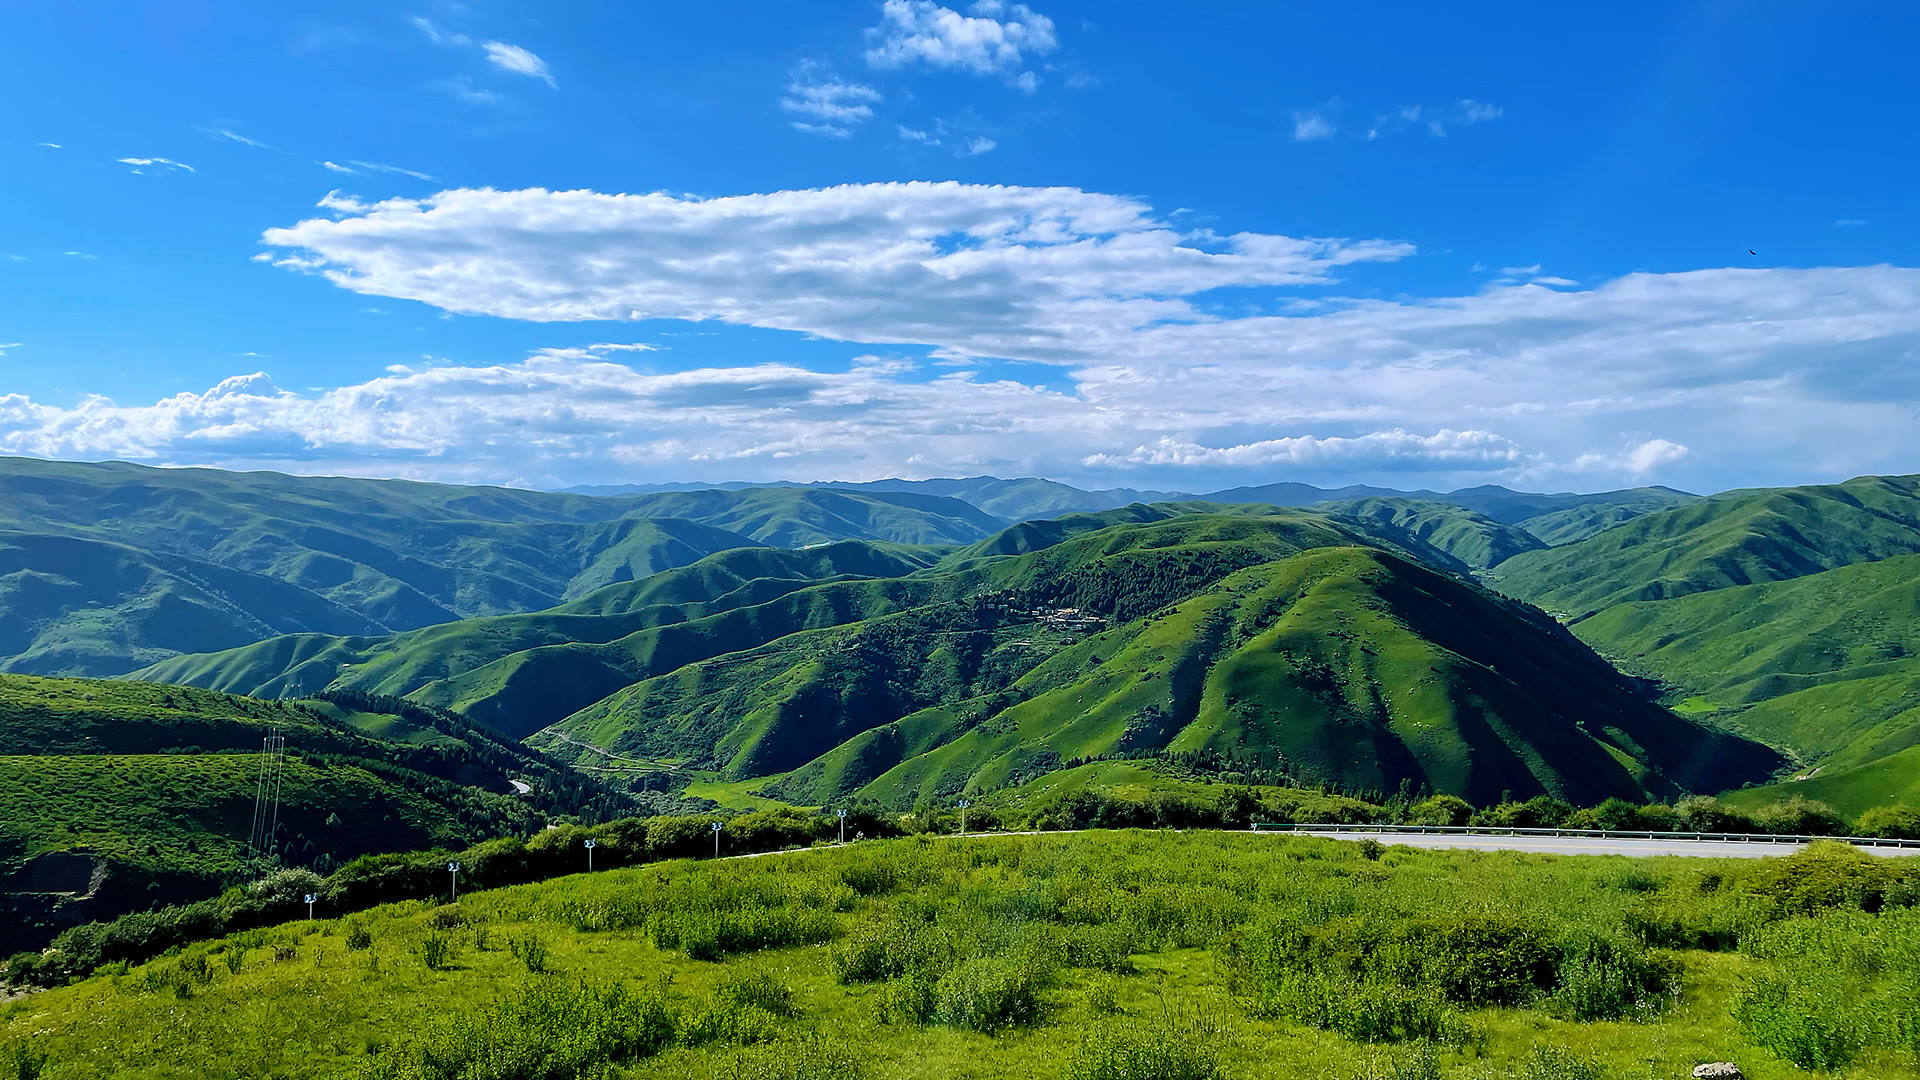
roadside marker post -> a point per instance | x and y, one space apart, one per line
964 803
842 815
589 844
453 873
717 826
310 899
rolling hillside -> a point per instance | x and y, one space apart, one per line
522 673
115 795
1738 539
108 567
1473 538
1343 665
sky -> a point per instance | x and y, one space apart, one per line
1558 247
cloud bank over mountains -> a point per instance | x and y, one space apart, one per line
1053 331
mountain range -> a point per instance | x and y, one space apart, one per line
904 641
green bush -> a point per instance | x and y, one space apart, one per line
358 936
1890 823
1601 978
988 993
1800 816
436 950
731 1023
1813 1020
758 989
549 1030
531 950
1168 1052
19 1061
1440 810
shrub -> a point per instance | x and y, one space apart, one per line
1606 979
1830 874
1179 1052
1890 823
711 933
530 950
889 948
758 989
1804 1017
1800 816
1704 813
546 1031
1440 810
731 1023
436 950
235 958
988 993
287 886
358 936
446 917
18 1061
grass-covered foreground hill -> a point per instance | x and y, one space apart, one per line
108 567
115 796
1101 956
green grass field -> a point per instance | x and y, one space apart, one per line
1093 957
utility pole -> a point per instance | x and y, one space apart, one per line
964 803
842 815
717 826
453 874
589 846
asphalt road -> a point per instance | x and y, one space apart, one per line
1576 845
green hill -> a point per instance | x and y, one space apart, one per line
1737 539
114 796
522 673
1473 538
108 567
1346 666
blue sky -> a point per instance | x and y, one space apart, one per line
1115 244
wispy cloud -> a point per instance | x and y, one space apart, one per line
5 345
995 39
79 254
233 136
141 163
333 167
592 352
438 36
1311 124
1849 222
49 145
835 106
518 60
976 146
1436 120
374 166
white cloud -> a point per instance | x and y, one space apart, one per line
79 254
462 88
518 60
1550 280
5 345
331 167
1848 222
977 146
439 36
1311 124
374 166
165 163
911 135
996 39
1376 451
1758 374
232 136
592 352
836 105
49 145
1519 271
977 269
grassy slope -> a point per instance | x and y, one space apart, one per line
1356 668
297 1003
104 567
159 782
1469 536
1122 572
1716 543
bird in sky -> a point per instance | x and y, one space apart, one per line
1750 251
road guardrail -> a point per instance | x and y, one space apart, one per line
1603 834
